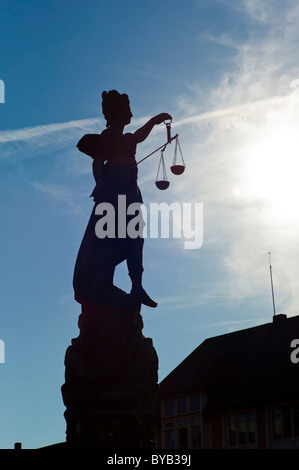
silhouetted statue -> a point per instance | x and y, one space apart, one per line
115 173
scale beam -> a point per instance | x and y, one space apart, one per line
159 148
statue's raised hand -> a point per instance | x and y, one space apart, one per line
142 133
161 118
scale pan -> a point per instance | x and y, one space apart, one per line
162 184
177 169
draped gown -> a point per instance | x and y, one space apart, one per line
98 257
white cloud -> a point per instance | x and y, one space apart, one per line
61 194
252 99
27 133
19 144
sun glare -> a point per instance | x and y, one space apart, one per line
273 173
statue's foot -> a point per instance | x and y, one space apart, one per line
142 297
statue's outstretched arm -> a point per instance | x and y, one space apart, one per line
142 133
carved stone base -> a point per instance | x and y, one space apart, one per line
111 374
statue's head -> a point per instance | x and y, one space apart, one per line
116 107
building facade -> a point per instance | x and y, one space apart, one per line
239 390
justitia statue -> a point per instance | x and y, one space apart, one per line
115 172
111 369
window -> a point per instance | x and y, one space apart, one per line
182 405
195 402
169 407
251 428
195 433
182 422
296 420
241 430
183 438
233 431
170 438
182 434
276 424
285 422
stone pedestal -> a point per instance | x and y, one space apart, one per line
111 381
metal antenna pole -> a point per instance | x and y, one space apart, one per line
273 301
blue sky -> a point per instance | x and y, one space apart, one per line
227 73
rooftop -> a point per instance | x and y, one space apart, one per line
239 367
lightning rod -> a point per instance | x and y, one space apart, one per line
272 289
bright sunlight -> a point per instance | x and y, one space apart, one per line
273 172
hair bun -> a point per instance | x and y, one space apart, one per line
112 101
